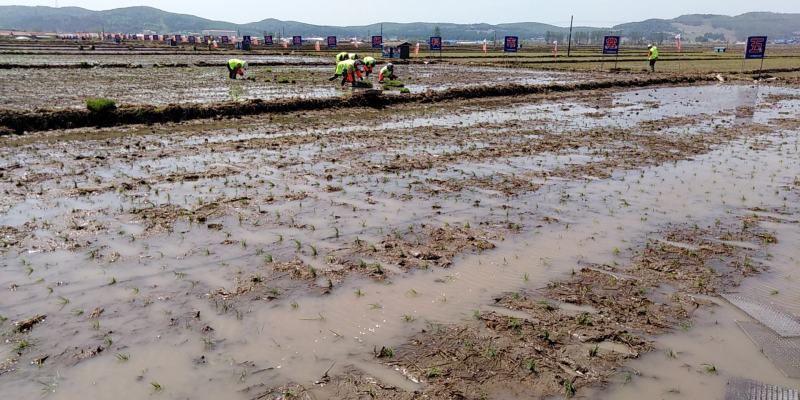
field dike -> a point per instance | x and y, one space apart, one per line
221 64
17 122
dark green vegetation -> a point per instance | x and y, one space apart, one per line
100 105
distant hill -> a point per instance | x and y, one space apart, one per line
774 25
138 19
129 19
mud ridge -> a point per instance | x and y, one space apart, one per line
85 65
21 122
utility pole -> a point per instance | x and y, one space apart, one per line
569 44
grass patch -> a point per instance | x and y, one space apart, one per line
99 105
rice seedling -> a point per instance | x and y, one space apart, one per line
584 319
360 293
22 345
710 369
156 386
385 352
515 324
433 372
408 318
627 377
530 365
123 357
569 388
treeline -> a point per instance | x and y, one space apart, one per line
595 37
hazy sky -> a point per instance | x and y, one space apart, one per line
332 12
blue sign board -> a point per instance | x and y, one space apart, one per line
297 41
756 47
268 40
611 45
377 42
511 44
332 42
436 43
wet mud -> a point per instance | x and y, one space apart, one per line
547 243
21 122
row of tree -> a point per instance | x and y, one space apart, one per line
596 37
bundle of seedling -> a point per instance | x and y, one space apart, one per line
395 85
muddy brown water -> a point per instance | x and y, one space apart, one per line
89 251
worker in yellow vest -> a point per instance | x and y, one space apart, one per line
652 56
387 73
236 67
369 64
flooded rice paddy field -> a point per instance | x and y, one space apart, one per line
532 246
55 88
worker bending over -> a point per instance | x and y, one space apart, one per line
236 67
341 57
369 64
349 70
387 72
341 67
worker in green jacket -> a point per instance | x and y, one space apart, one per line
341 57
236 67
352 56
652 56
369 64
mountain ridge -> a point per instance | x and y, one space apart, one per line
140 18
